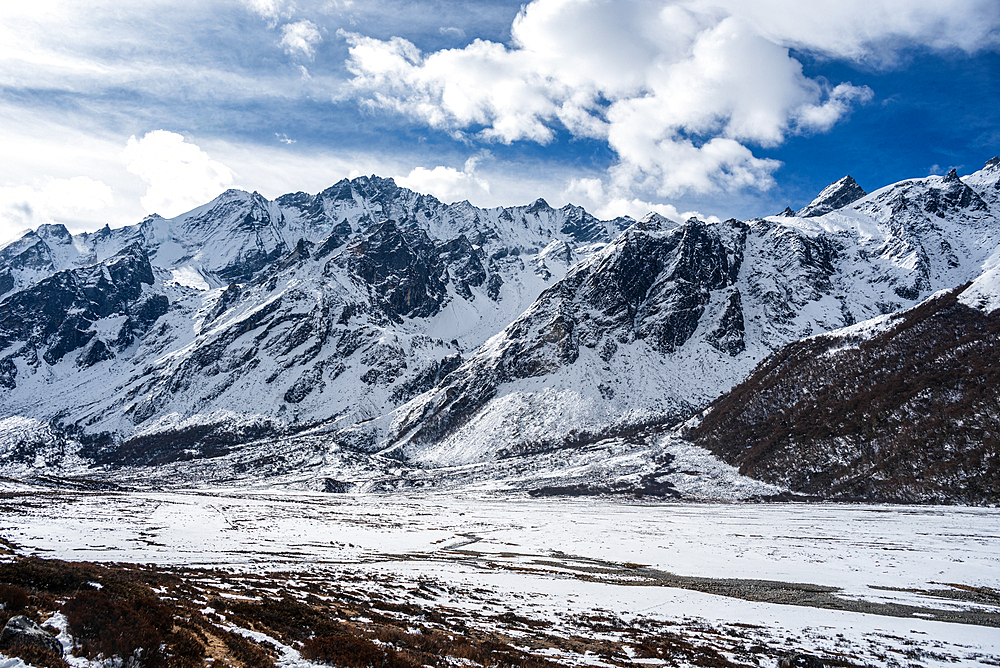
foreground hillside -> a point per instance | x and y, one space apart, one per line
903 409
414 579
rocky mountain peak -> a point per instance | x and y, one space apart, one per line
55 233
654 222
539 205
835 196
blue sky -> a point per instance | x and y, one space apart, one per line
112 110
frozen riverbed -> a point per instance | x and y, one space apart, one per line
906 568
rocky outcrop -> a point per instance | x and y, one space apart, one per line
650 285
57 316
20 631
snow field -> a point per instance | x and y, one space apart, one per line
531 556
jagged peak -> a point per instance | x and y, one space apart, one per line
538 205
235 193
993 163
837 195
654 222
787 213
56 230
951 176
569 207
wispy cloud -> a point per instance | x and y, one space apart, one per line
269 10
52 200
452 31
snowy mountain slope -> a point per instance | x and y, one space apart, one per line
344 329
658 322
370 319
101 309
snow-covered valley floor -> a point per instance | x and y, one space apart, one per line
589 581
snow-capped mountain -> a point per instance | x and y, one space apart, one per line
269 316
374 320
661 321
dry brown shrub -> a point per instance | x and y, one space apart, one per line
36 656
248 653
351 652
13 598
134 629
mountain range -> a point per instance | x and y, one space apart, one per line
370 337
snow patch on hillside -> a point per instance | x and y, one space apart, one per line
984 293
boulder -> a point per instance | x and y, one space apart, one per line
21 631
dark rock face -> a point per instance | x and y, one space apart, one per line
55 316
22 632
227 299
332 486
649 285
581 226
464 265
401 270
835 196
801 661
727 336
906 416
954 195
408 274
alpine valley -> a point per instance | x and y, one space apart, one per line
373 338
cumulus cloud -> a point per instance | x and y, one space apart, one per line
591 195
300 39
447 183
52 201
179 175
681 90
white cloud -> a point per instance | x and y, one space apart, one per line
300 39
869 30
447 183
681 90
179 175
53 200
585 192
590 194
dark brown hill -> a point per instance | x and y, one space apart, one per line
911 414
